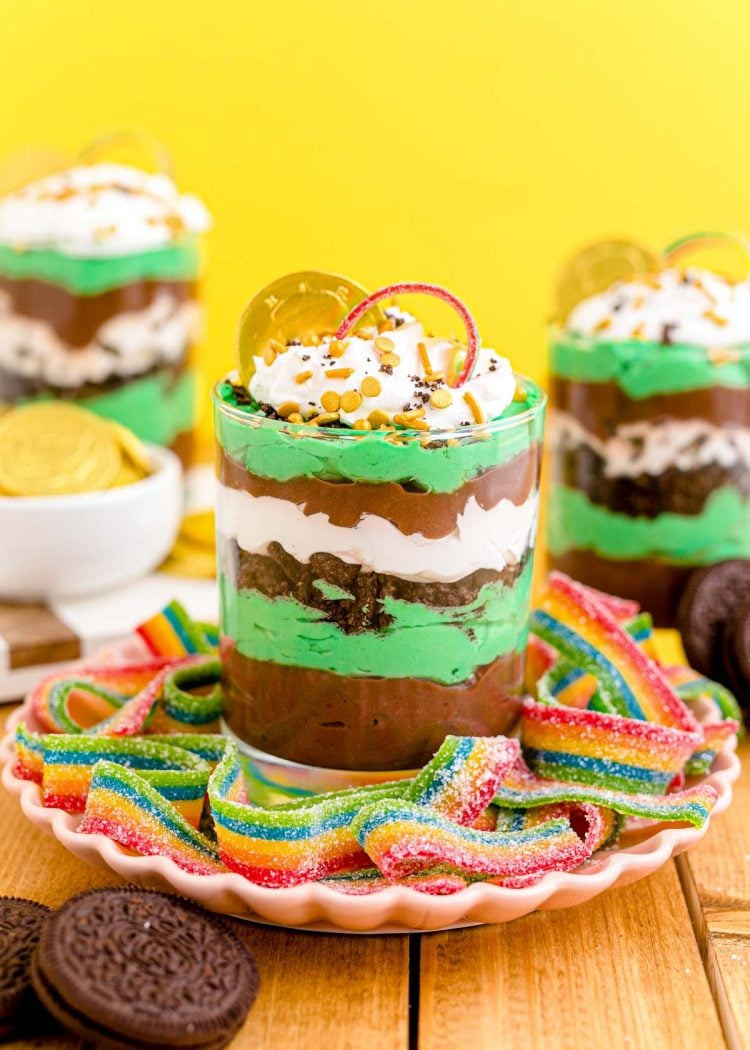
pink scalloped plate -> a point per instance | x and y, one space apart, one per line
643 848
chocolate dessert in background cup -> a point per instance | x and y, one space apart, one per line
650 421
99 303
376 518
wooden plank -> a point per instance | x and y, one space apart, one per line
318 991
623 970
716 881
35 635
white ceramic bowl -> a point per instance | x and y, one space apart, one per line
64 546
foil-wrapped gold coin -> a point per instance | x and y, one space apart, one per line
132 447
292 307
596 267
187 559
128 474
199 527
52 449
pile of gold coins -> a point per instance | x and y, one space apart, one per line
194 552
51 448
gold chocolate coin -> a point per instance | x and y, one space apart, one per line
132 447
595 268
199 527
52 449
127 474
295 306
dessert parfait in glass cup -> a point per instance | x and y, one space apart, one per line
376 518
650 427
99 302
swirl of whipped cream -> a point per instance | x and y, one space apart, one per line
100 210
693 307
303 375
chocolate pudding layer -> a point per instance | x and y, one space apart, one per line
77 319
323 719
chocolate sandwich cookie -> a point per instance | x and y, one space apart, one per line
710 597
736 654
21 924
127 967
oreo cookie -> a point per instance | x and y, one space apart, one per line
127 968
736 654
707 604
21 924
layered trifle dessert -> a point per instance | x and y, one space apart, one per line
98 296
650 433
376 518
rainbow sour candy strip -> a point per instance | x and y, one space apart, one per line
172 633
580 627
596 826
404 839
127 809
565 743
180 777
522 789
461 779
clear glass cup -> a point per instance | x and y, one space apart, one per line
649 452
375 586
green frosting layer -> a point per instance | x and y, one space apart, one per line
721 530
156 408
643 369
273 449
445 645
93 275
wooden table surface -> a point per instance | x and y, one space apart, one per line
663 963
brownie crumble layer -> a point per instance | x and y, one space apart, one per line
324 719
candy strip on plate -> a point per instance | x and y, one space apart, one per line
522 789
597 826
172 633
581 628
626 754
127 809
180 708
461 779
403 839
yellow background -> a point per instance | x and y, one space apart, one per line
468 142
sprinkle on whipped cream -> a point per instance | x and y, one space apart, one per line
693 307
100 210
393 376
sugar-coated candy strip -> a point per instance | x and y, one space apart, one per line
596 826
694 688
583 630
123 681
370 880
180 709
126 808
623 609
522 789
462 777
173 633
68 760
137 715
566 683
29 755
281 847
404 839
564 743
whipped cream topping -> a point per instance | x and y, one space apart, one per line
399 374
100 210
694 307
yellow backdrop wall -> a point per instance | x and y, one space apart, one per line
470 143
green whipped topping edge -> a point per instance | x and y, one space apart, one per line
274 449
444 645
643 369
721 530
92 275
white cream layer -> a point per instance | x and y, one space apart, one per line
125 345
482 539
492 384
652 447
692 306
99 210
